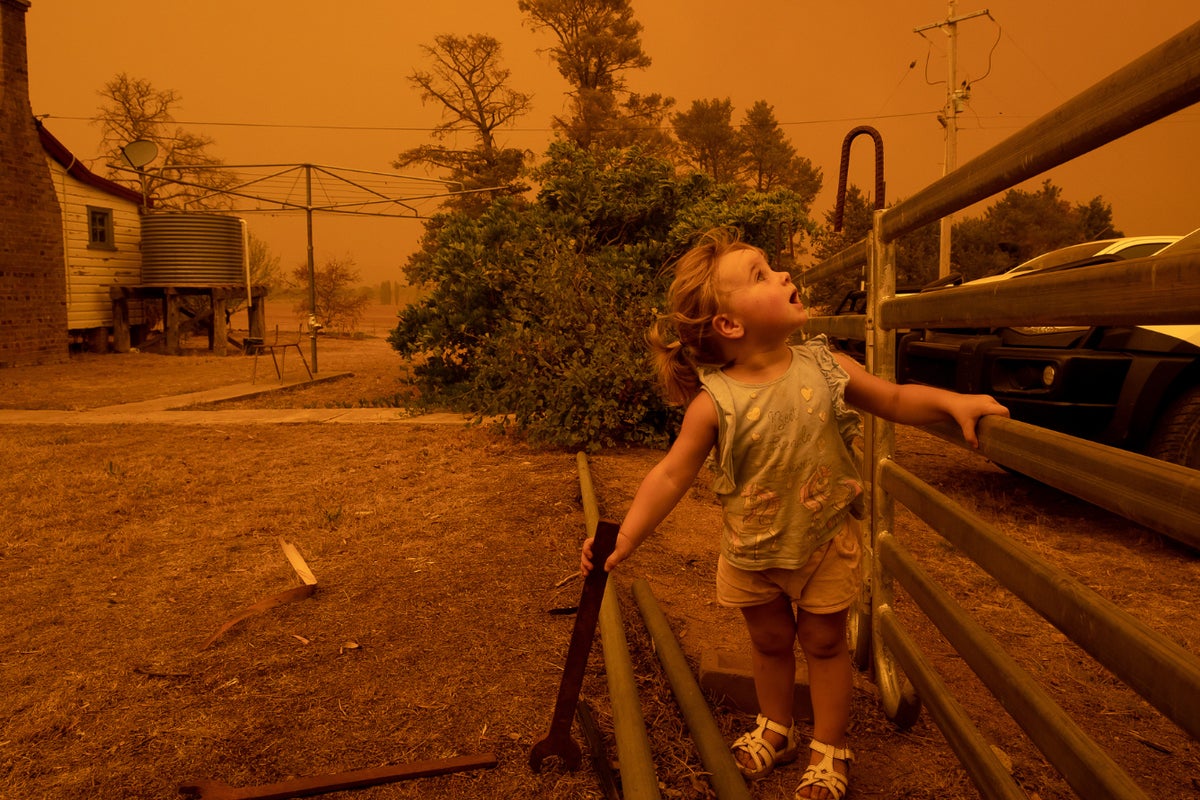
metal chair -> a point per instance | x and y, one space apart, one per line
259 346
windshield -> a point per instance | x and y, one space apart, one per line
1184 245
1063 256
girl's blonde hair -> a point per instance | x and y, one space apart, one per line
682 340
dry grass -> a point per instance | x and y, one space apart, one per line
437 552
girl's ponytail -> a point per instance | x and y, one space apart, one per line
675 371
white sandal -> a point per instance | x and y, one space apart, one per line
823 774
763 753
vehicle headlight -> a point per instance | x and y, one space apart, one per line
1049 373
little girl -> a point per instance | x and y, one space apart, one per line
775 420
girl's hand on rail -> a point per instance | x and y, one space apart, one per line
967 409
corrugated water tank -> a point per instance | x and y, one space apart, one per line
192 250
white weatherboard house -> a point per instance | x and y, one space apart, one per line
102 234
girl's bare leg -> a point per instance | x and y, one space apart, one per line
822 637
772 629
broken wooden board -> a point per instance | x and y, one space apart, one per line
309 585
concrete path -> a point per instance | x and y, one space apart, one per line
166 410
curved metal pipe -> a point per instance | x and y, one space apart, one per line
840 210
638 778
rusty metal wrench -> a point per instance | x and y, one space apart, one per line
558 741
320 784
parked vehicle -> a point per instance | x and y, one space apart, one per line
1095 252
1135 387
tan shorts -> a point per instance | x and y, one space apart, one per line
827 583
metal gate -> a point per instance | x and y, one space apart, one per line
1160 496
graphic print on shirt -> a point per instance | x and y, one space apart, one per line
815 492
818 492
760 505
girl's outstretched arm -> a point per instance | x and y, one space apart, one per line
914 404
665 484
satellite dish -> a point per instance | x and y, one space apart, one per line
139 153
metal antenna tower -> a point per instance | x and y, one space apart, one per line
956 101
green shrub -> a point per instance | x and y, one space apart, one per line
539 310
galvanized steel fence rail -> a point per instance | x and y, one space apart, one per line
1161 496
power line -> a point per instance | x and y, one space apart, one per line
411 129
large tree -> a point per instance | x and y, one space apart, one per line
184 174
598 40
602 121
1035 222
1096 220
467 79
1025 224
708 140
597 43
768 152
1017 227
769 158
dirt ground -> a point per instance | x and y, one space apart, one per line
438 551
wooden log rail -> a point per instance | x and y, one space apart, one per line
639 780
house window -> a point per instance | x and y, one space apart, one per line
100 228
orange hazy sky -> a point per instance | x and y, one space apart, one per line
314 81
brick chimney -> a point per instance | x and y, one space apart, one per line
33 278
